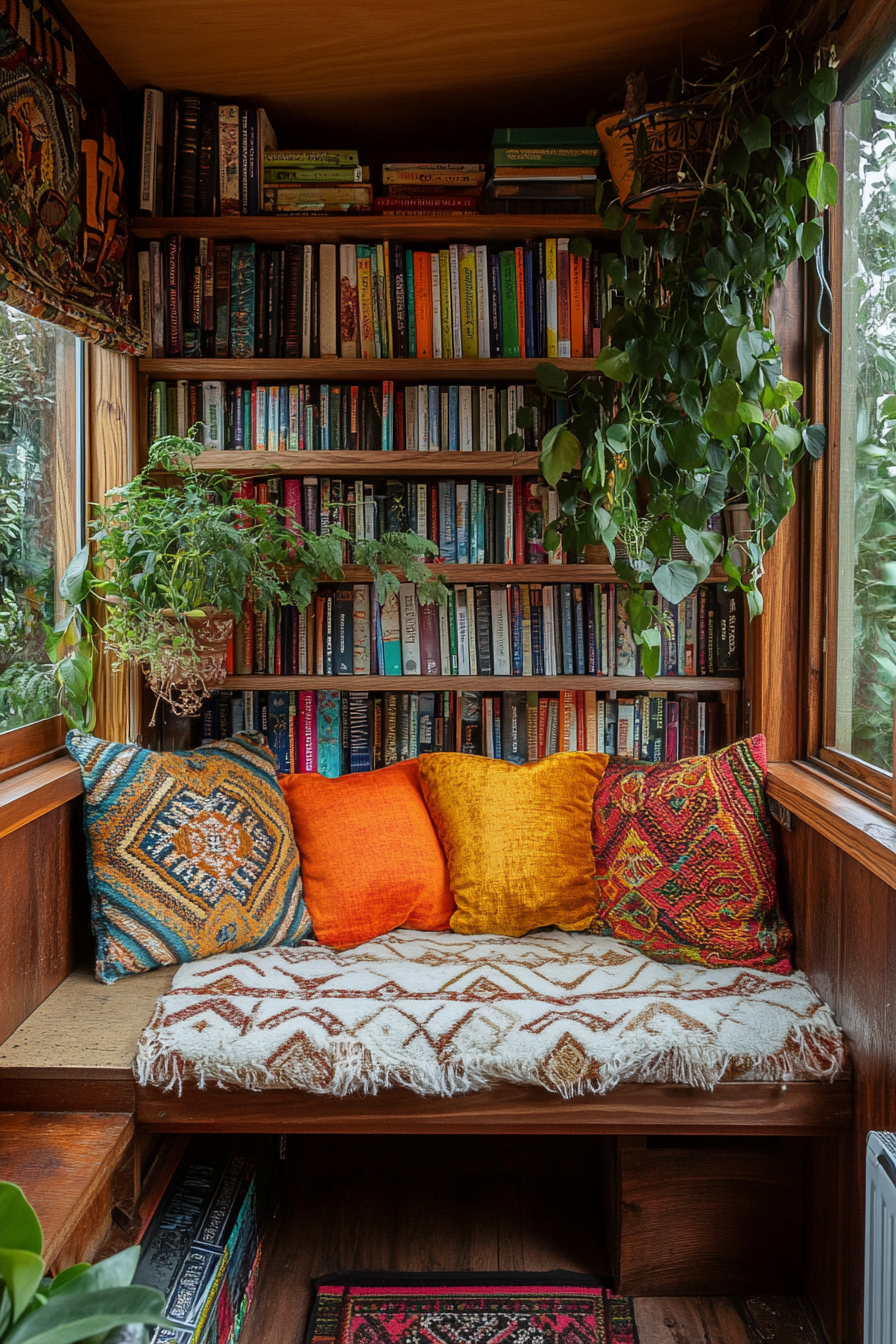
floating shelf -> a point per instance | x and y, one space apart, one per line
403 228
357 370
513 573
260 682
340 463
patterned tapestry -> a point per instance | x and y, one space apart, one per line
63 225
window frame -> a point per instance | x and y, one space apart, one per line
35 744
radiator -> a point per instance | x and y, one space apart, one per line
880 1239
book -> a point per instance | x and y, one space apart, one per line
328 312
228 159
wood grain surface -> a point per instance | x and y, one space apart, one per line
268 229
41 867
358 370
65 1164
264 681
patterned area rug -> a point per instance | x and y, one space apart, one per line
441 1013
470 1309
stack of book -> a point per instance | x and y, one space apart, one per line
484 630
298 417
202 1248
430 189
376 300
201 157
550 170
346 732
315 182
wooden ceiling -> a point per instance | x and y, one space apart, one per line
406 73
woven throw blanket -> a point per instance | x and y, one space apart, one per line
442 1013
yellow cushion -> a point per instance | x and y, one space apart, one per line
517 838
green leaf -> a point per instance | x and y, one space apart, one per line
736 352
116 1271
525 417
690 399
514 443
758 135
649 642
551 379
631 243
717 263
830 185
19 1226
808 237
888 408
22 1272
72 678
750 413
814 175
823 85
675 581
560 452
75 582
721 417
703 548
580 246
73 1317
815 437
686 445
615 363
65 1277
754 602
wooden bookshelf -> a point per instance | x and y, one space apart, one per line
261 681
532 573
358 370
347 463
407 228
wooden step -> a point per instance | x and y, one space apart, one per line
65 1162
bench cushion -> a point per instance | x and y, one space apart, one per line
446 1013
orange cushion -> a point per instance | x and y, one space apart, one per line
371 859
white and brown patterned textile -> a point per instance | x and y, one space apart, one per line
442 1013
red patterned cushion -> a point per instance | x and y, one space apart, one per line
685 862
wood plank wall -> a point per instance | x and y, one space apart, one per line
42 902
844 920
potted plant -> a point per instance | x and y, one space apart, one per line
687 410
82 1303
172 557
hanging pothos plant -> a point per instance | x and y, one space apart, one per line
688 410
171 559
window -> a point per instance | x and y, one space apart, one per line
41 502
860 715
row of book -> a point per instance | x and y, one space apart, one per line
202 297
346 732
472 522
550 168
387 416
484 630
202 1247
201 157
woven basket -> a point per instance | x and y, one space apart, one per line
183 682
680 139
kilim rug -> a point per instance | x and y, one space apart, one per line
469 1309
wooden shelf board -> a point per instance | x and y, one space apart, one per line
357 370
261 681
339 463
347 228
512 573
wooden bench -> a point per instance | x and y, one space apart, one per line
75 1052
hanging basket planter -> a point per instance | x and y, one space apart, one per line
188 667
666 150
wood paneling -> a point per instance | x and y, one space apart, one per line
630 1108
41 866
35 739
66 1165
33 793
111 421
844 918
418 78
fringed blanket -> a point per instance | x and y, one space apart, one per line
442 1013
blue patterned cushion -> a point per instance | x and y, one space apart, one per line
189 853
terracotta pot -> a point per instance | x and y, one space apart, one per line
182 681
680 139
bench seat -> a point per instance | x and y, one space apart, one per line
77 1051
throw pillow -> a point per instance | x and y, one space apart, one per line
685 861
371 860
517 839
189 853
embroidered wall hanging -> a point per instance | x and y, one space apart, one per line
63 224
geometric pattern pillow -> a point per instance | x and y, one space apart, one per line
685 860
189 853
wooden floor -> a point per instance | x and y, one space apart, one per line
450 1203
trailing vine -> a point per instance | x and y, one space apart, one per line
688 410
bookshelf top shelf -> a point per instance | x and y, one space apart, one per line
350 228
357 370
567 573
263 682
